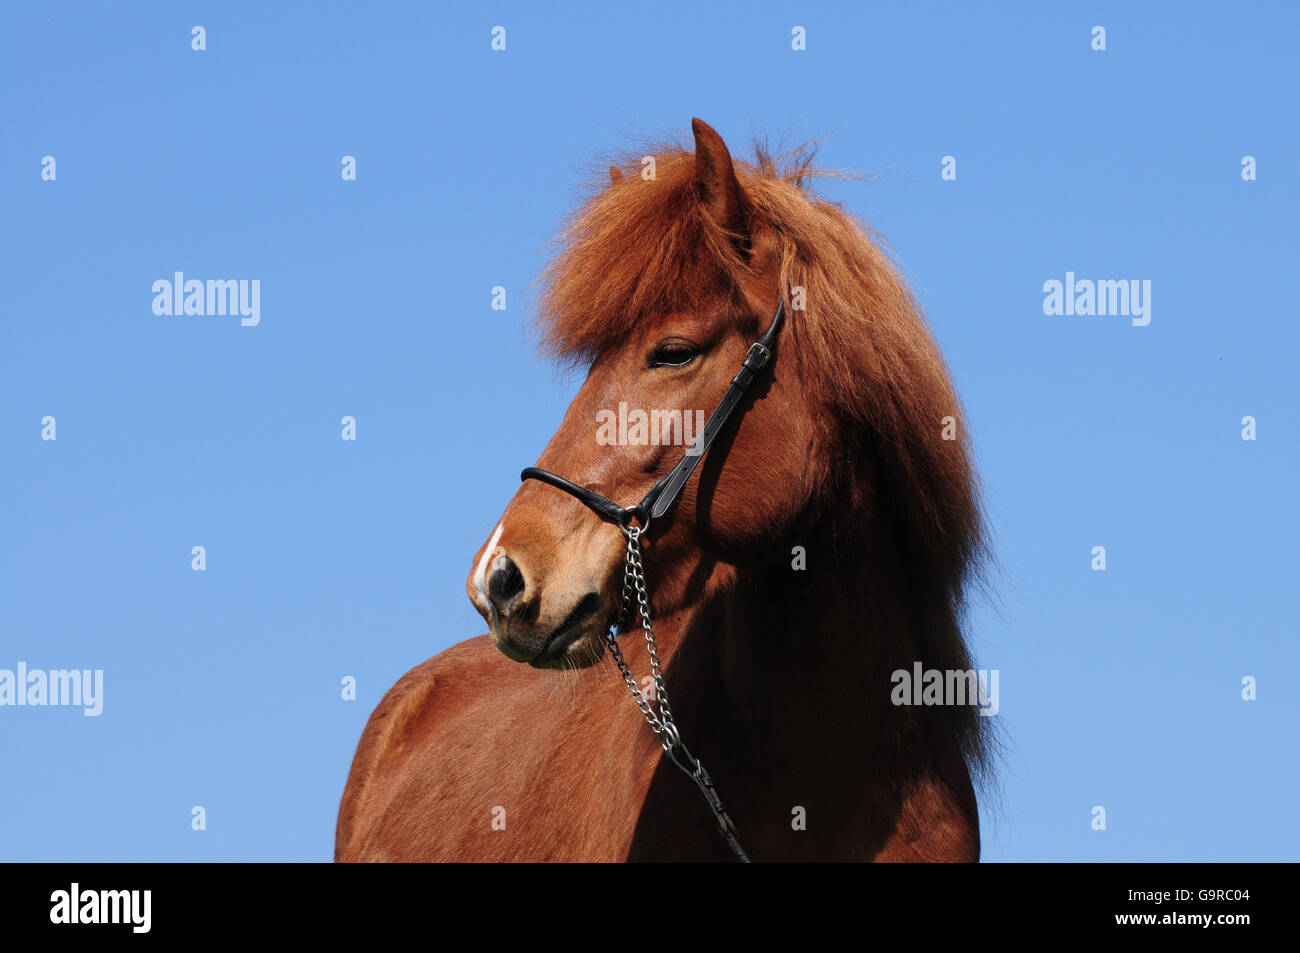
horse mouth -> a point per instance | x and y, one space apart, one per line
577 643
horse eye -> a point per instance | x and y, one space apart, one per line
672 355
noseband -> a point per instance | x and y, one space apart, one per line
661 498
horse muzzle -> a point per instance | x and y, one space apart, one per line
547 623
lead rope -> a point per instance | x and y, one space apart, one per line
661 722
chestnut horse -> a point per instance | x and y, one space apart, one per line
822 545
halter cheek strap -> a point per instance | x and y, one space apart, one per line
664 494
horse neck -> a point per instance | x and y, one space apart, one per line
784 656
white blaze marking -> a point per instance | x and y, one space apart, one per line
481 571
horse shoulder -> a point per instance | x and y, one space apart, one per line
938 822
409 717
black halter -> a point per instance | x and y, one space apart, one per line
665 492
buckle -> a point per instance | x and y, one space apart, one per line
757 357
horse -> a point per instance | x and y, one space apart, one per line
828 540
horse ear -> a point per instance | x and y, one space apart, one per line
615 176
715 180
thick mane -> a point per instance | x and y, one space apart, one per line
642 248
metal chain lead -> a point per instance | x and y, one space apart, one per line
661 721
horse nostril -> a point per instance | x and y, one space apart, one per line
505 583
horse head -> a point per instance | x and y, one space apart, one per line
850 440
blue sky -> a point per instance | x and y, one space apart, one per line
328 558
